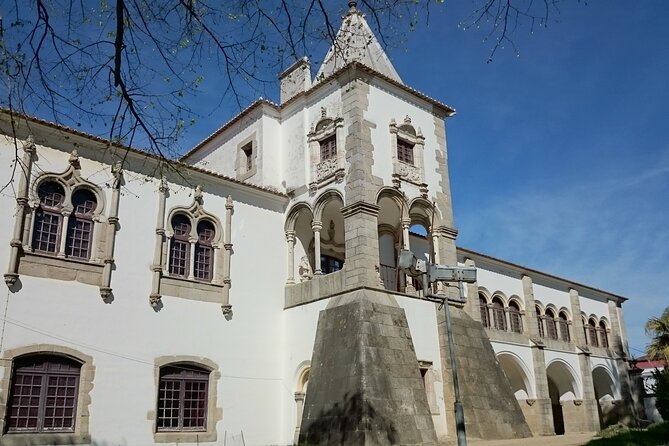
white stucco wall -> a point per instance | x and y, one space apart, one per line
496 282
549 295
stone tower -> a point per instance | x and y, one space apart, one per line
366 385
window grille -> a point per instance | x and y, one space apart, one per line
483 304
515 318
48 217
540 323
405 151
80 230
180 246
603 337
498 315
563 325
551 325
204 251
182 399
592 333
43 395
329 148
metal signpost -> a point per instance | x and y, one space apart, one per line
430 273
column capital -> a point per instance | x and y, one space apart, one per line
406 223
290 236
316 225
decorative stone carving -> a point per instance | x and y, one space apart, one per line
408 172
578 402
154 300
326 168
305 270
530 402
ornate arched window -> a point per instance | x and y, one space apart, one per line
203 266
540 322
80 227
592 333
603 336
498 313
407 146
48 217
563 325
483 305
551 325
325 140
515 319
180 246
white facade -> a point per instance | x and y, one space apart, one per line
273 199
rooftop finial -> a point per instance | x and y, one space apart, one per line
352 6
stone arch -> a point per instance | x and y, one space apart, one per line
329 222
424 212
392 220
302 381
300 236
606 392
517 373
562 388
565 378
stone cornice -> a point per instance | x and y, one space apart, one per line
360 207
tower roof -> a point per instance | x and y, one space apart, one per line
355 41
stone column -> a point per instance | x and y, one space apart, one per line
227 283
362 244
22 208
290 238
589 407
317 226
542 423
299 402
112 227
67 211
157 267
620 347
406 223
435 245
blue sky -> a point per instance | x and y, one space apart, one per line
559 156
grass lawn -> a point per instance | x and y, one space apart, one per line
655 435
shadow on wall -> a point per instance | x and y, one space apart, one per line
351 422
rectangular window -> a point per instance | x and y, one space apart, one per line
329 148
404 151
79 237
179 257
43 396
182 399
46 233
203 262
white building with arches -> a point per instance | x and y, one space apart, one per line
184 302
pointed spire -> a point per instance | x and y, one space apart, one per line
355 41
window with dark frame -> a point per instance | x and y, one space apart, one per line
603 337
540 323
483 304
515 319
182 399
80 225
498 314
203 266
328 148
563 325
180 246
592 333
404 151
43 394
551 325
330 264
48 218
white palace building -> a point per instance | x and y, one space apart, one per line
249 294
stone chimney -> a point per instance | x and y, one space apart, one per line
295 79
